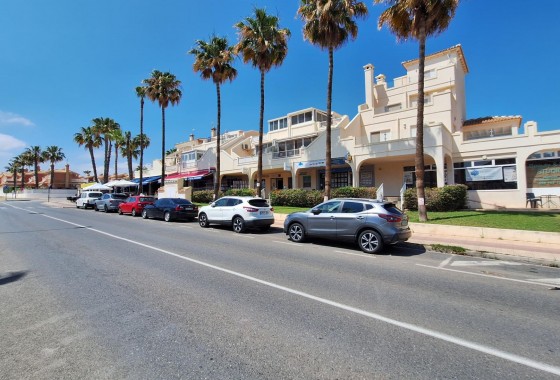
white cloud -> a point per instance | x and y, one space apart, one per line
9 118
9 148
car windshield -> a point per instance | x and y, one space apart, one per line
258 202
145 199
120 196
94 195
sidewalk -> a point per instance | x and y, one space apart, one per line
517 245
527 246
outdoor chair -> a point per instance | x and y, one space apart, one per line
533 200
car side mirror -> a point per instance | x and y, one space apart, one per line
316 211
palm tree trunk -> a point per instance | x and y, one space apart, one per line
36 164
328 161
52 176
419 161
162 146
116 158
141 144
106 161
93 164
218 144
261 128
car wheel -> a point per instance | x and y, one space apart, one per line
238 224
203 220
133 212
120 211
296 233
105 209
77 206
94 207
370 241
167 216
144 214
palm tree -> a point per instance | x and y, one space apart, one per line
213 60
141 93
13 167
263 43
329 24
418 19
90 140
104 128
163 88
24 159
130 149
53 154
118 141
37 155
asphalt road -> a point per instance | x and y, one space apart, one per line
91 295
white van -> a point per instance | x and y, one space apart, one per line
87 199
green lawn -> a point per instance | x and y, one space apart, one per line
530 221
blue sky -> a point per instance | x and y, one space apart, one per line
65 62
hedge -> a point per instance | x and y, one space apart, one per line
310 198
447 198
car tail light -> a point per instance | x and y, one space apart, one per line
272 209
391 218
250 209
178 208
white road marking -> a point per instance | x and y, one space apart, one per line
482 263
549 281
408 326
445 262
482 275
357 254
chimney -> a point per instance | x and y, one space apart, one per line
191 137
380 79
213 132
368 72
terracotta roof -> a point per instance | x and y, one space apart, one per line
457 48
490 119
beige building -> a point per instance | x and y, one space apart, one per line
498 160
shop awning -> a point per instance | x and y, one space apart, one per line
147 180
197 174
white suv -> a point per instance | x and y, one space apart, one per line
239 212
87 199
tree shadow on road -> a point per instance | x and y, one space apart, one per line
12 277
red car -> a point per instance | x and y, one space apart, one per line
135 204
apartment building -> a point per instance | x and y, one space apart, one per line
495 156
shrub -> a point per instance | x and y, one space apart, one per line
241 192
354 192
203 196
447 198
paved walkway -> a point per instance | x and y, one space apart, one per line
528 246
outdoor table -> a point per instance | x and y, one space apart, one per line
549 200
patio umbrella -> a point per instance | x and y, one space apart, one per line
98 186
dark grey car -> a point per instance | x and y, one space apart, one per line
368 222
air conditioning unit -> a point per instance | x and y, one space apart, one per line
245 146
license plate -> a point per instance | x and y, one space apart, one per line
263 213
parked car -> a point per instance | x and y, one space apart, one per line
110 202
370 223
170 209
135 204
87 199
239 212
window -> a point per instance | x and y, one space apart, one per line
302 118
393 107
330 207
352 207
414 100
306 181
275 125
487 133
381 136
487 174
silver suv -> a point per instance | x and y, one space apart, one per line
239 212
369 223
